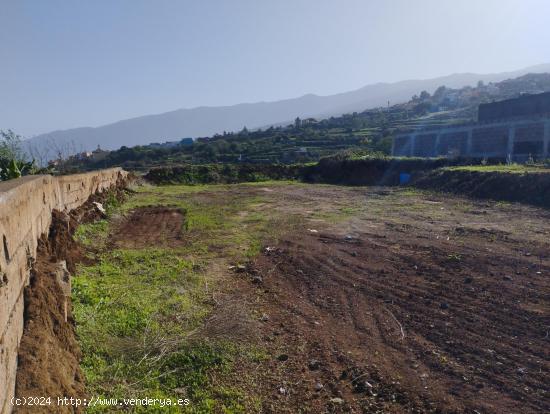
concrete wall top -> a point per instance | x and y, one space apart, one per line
7 187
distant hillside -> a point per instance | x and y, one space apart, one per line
310 139
205 121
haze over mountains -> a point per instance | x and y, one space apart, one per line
206 121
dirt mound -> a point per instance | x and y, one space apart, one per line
530 188
151 227
378 323
49 354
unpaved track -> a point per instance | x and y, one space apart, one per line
416 304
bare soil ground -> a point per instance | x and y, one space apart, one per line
410 303
150 227
372 300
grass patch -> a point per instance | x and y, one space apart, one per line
503 168
339 214
93 234
214 217
137 310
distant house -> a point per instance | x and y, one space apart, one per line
81 156
309 121
525 105
186 142
98 154
167 144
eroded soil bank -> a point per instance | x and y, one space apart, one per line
529 187
49 353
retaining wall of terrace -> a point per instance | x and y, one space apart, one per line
26 206
517 139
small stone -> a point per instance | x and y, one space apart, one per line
283 391
337 400
354 254
509 278
99 206
318 386
362 386
264 317
282 357
444 305
257 279
314 364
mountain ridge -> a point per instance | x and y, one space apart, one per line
209 120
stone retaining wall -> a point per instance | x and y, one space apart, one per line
26 206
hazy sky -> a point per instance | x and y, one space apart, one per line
85 63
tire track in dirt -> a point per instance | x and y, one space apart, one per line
467 347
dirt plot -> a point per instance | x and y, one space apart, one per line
362 300
150 227
417 303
